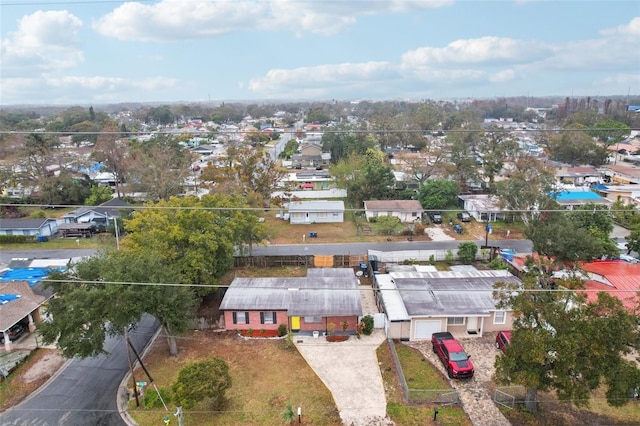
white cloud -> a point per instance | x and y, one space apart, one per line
43 42
320 79
72 89
171 20
472 51
632 28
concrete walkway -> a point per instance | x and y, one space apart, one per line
351 372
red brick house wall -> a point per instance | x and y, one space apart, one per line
254 320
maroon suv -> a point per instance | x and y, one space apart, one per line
503 339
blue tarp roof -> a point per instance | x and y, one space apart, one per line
31 275
6 298
599 186
576 195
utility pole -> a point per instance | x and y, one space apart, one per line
179 415
115 225
135 384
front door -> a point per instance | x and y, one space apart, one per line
472 324
295 323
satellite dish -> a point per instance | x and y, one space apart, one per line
359 274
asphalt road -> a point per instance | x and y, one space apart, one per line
520 246
84 391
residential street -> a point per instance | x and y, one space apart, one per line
83 393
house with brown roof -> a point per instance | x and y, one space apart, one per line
578 176
621 173
408 211
19 305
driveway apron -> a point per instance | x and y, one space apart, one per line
351 372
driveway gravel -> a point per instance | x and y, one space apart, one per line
474 393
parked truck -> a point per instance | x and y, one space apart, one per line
453 357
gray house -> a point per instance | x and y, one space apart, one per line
325 296
419 301
98 215
35 227
319 211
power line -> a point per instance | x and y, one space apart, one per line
261 209
321 288
288 131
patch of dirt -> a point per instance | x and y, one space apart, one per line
41 365
44 368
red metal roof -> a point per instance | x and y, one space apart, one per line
624 278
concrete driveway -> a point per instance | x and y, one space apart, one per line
351 372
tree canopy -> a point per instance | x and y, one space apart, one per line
438 194
568 238
562 342
173 254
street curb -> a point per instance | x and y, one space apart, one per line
122 397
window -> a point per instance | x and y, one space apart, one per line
297 215
414 214
240 317
499 317
322 215
455 321
267 318
309 320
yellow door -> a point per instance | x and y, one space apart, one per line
295 323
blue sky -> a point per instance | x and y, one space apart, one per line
85 52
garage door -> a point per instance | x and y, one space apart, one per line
425 328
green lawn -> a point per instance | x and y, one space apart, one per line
422 374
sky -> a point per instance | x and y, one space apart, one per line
103 51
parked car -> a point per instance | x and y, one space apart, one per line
453 357
464 217
503 339
436 217
15 332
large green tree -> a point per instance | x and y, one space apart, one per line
609 132
103 294
574 146
174 253
562 239
562 343
365 177
438 194
527 190
159 167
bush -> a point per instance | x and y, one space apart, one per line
368 325
282 330
467 252
498 263
449 258
151 399
432 260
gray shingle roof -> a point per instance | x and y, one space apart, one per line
23 223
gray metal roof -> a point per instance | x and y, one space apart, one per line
326 292
447 293
317 206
